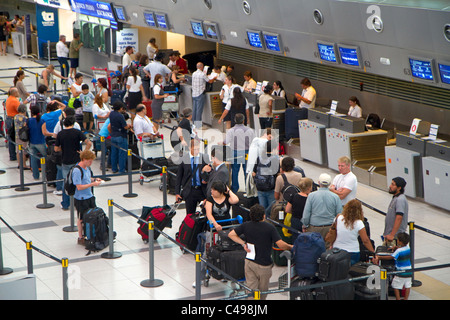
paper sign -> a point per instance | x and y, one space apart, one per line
414 126
252 254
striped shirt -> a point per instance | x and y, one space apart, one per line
402 258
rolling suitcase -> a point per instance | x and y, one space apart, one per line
362 291
117 95
192 225
291 118
307 294
232 262
334 264
344 291
161 216
148 107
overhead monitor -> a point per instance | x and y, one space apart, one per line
161 19
422 68
273 42
350 55
197 28
327 52
120 13
93 8
211 30
444 71
149 18
255 39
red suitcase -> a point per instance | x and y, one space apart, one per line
148 106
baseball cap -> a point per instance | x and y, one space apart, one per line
325 179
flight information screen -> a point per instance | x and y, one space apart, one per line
254 39
212 31
444 71
150 19
197 28
272 42
421 69
349 56
162 20
327 52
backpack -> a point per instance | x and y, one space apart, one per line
264 182
41 102
96 230
288 189
308 247
69 187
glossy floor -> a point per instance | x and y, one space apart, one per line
109 279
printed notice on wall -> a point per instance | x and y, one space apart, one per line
127 37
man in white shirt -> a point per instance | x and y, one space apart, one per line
126 59
156 67
199 80
308 97
142 125
62 52
345 183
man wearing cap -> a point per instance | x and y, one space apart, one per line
321 207
397 215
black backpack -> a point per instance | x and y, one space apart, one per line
69 187
96 230
288 189
264 182
41 102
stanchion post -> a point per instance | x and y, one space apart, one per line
44 205
37 81
412 243
164 185
3 270
29 257
22 187
151 282
130 193
111 254
103 158
383 283
72 227
198 276
65 266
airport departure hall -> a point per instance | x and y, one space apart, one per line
125 126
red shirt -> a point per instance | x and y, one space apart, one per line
182 64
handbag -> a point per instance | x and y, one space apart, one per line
24 133
332 233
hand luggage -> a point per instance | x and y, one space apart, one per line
96 230
148 107
147 166
117 95
292 116
344 291
277 212
334 264
160 215
307 294
192 225
230 262
308 247
362 290
276 252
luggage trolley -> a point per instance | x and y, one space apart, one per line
151 149
213 239
101 73
287 277
170 105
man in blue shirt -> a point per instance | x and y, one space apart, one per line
321 207
84 198
119 137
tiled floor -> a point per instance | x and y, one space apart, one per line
120 278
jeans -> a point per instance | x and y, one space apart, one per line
11 146
35 149
265 122
65 168
239 158
119 157
266 198
197 109
64 70
59 176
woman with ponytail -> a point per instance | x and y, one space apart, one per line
18 83
37 140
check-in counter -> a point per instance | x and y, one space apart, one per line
313 144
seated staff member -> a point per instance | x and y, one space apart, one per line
143 126
308 96
355 107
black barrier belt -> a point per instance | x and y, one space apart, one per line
184 248
415 225
32 246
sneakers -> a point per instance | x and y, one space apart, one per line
65 209
58 192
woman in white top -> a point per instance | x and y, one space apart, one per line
350 225
249 83
355 109
103 89
152 48
143 126
100 110
136 92
226 94
278 89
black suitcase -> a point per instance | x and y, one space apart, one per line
362 290
307 294
147 165
344 291
230 262
334 264
292 116
117 95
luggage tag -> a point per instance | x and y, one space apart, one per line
281 215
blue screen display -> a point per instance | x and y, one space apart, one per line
197 28
93 8
272 42
161 18
444 70
120 13
211 31
349 56
254 38
421 69
327 52
150 19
